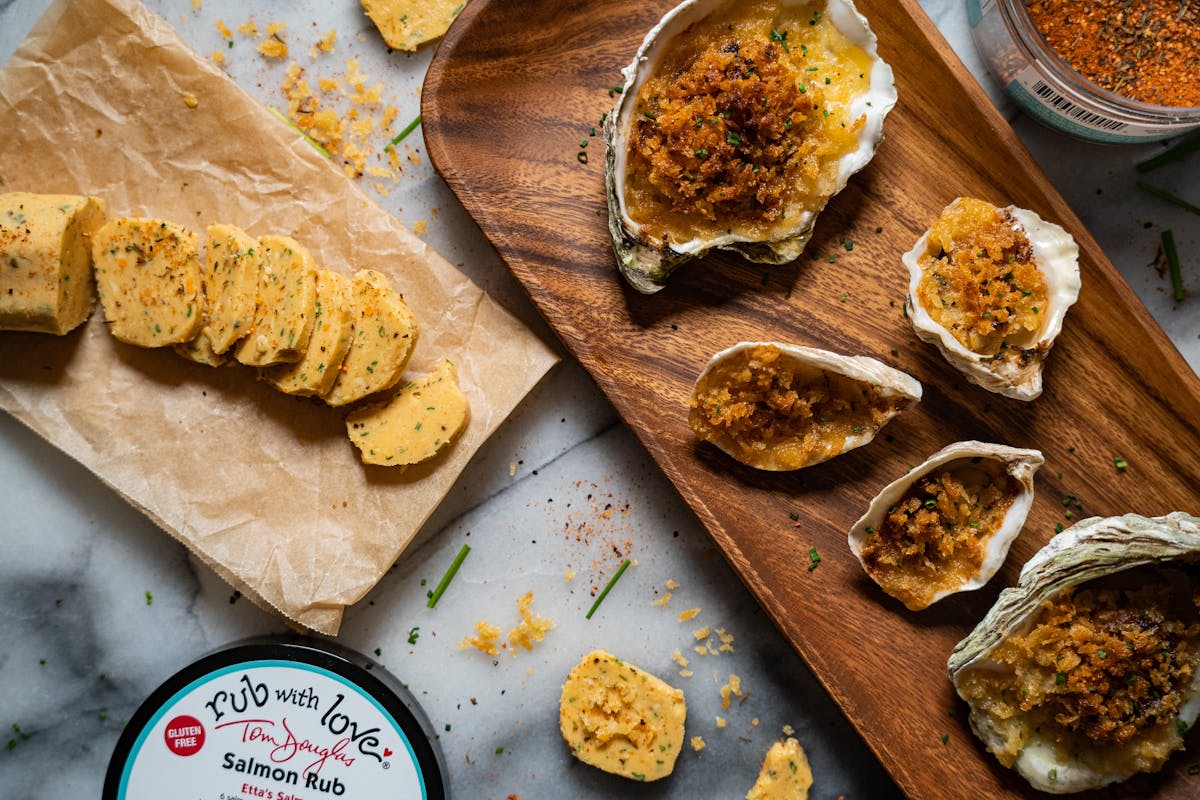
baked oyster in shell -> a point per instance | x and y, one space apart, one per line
989 287
1088 670
779 407
737 122
946 526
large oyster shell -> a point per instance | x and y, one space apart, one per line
778 406
1123 556
854 98
930 569
1009 363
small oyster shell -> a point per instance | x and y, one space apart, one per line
1056 256
807 420
646 261
979 462
1100 552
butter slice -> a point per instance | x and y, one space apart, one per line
287 303
621 719
201 351
407 24
46 260
415 424
785 774
333 330
234 263
385 332
148 276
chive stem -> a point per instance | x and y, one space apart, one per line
449 576
1168 243
1174 154
607 589
1174 199
400 137
296 127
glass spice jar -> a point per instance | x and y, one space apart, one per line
1045 86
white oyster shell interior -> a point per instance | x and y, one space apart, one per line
1057 257
991 459
646 264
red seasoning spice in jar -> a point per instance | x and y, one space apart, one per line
1146 50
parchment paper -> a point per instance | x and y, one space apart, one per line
265 488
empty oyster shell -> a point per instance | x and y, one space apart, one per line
781 407
946 526
990 287
1088 671
736 124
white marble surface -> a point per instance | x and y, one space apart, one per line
82 648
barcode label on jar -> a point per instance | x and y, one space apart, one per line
1048 105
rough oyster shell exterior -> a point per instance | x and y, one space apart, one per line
1020 464
1057 256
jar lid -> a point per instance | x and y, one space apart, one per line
283 719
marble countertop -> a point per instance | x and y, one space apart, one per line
563 487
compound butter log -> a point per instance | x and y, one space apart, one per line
46 260
148 277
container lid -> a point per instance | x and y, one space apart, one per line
284 719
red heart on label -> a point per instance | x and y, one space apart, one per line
387 751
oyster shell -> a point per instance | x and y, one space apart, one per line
967 503
780 407
733 153
1004 284
1088 671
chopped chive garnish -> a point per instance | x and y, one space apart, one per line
307 138
814 558
409 128
449 576
1174 154
607 589
1172 255
1120 463
1174 199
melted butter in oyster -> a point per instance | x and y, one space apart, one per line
777 414
1103 674
935 538
979 280
747 115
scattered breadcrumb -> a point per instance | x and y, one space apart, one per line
697 743
788 730
700 633
420 226
672 584
485 639
197 4
275 28
530 629
691 613
327 42
662 601
273 48
726 641
732 686
224 29
218 57
721 722
686 673
679 658
248 28
512 468
190 100
754 722
701 650
570 575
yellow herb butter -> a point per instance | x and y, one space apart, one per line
287 302
407 24
415 424
234 261
621 719
385 332
785 774
46 260
148 277
333 330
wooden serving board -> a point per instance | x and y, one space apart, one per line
512 91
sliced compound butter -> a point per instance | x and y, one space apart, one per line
621 719
46 260
415 424
385 332
333 330
785 774
406 24
233 260
287 302
149 280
